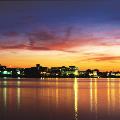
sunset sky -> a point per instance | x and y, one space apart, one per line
85 33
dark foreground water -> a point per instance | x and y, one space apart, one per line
60 99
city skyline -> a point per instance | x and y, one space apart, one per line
60 33
39 71
30 66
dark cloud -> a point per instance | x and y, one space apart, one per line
105 58
20 46
52 40
39 40
10 34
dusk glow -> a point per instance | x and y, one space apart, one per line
84 33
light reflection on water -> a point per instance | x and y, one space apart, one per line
60 99
5 97
76 98
93 96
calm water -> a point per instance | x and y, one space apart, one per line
60 99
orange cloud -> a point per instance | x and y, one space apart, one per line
105 58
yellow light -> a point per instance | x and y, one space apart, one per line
76 98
